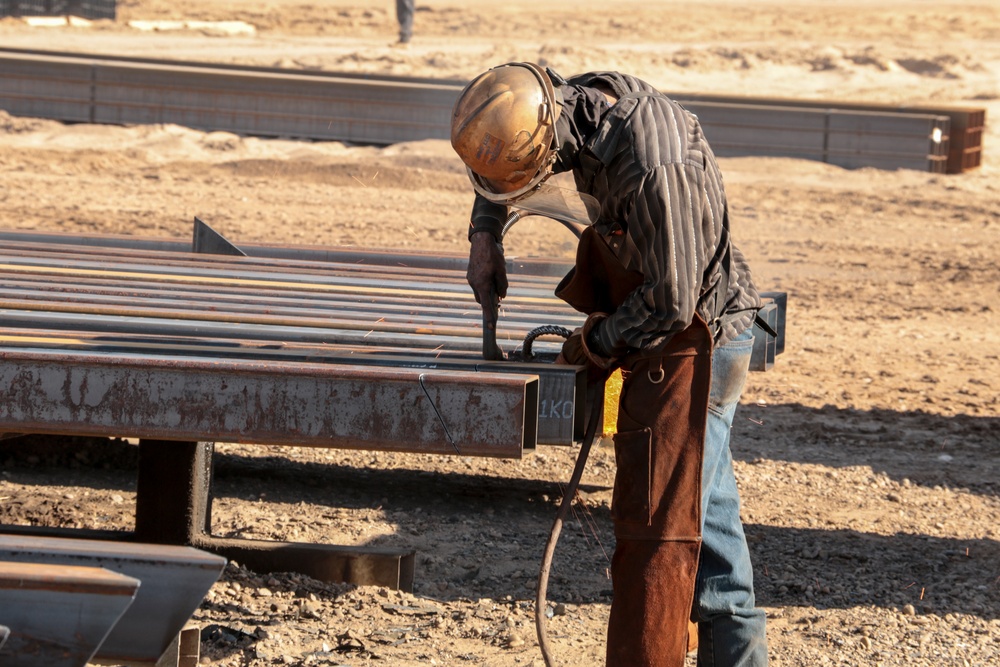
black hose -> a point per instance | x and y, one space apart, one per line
596 411
544 330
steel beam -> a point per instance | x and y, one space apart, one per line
303 404
174 580
59 614
559 386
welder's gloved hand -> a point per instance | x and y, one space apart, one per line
487 268
583 348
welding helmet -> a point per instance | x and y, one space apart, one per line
503 127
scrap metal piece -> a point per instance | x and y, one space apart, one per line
780 301
207 240
59 614
762 356
175 580
362 566
184 651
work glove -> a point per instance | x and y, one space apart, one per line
487 273
583 348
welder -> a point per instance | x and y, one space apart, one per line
670 300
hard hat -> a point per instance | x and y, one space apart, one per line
503 128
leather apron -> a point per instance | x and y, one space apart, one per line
656 503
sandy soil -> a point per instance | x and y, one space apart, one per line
867 457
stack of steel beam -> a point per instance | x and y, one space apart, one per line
354 350
962 136
385 110
843 137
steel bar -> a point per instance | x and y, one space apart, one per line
395 329
175 580
173 262
520 266
356 337
234 306
268 403
236 277
59 614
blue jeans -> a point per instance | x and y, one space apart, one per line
730 627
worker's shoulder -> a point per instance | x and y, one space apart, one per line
656 131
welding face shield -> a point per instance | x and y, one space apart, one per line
559 203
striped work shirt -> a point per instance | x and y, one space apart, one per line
663 212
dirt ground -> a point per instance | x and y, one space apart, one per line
867 458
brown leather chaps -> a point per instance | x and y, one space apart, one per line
656 504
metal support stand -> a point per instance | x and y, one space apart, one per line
173 503
173 506
184 651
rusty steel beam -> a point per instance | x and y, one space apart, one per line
174 580
362 566
257 402
559 386
59 614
